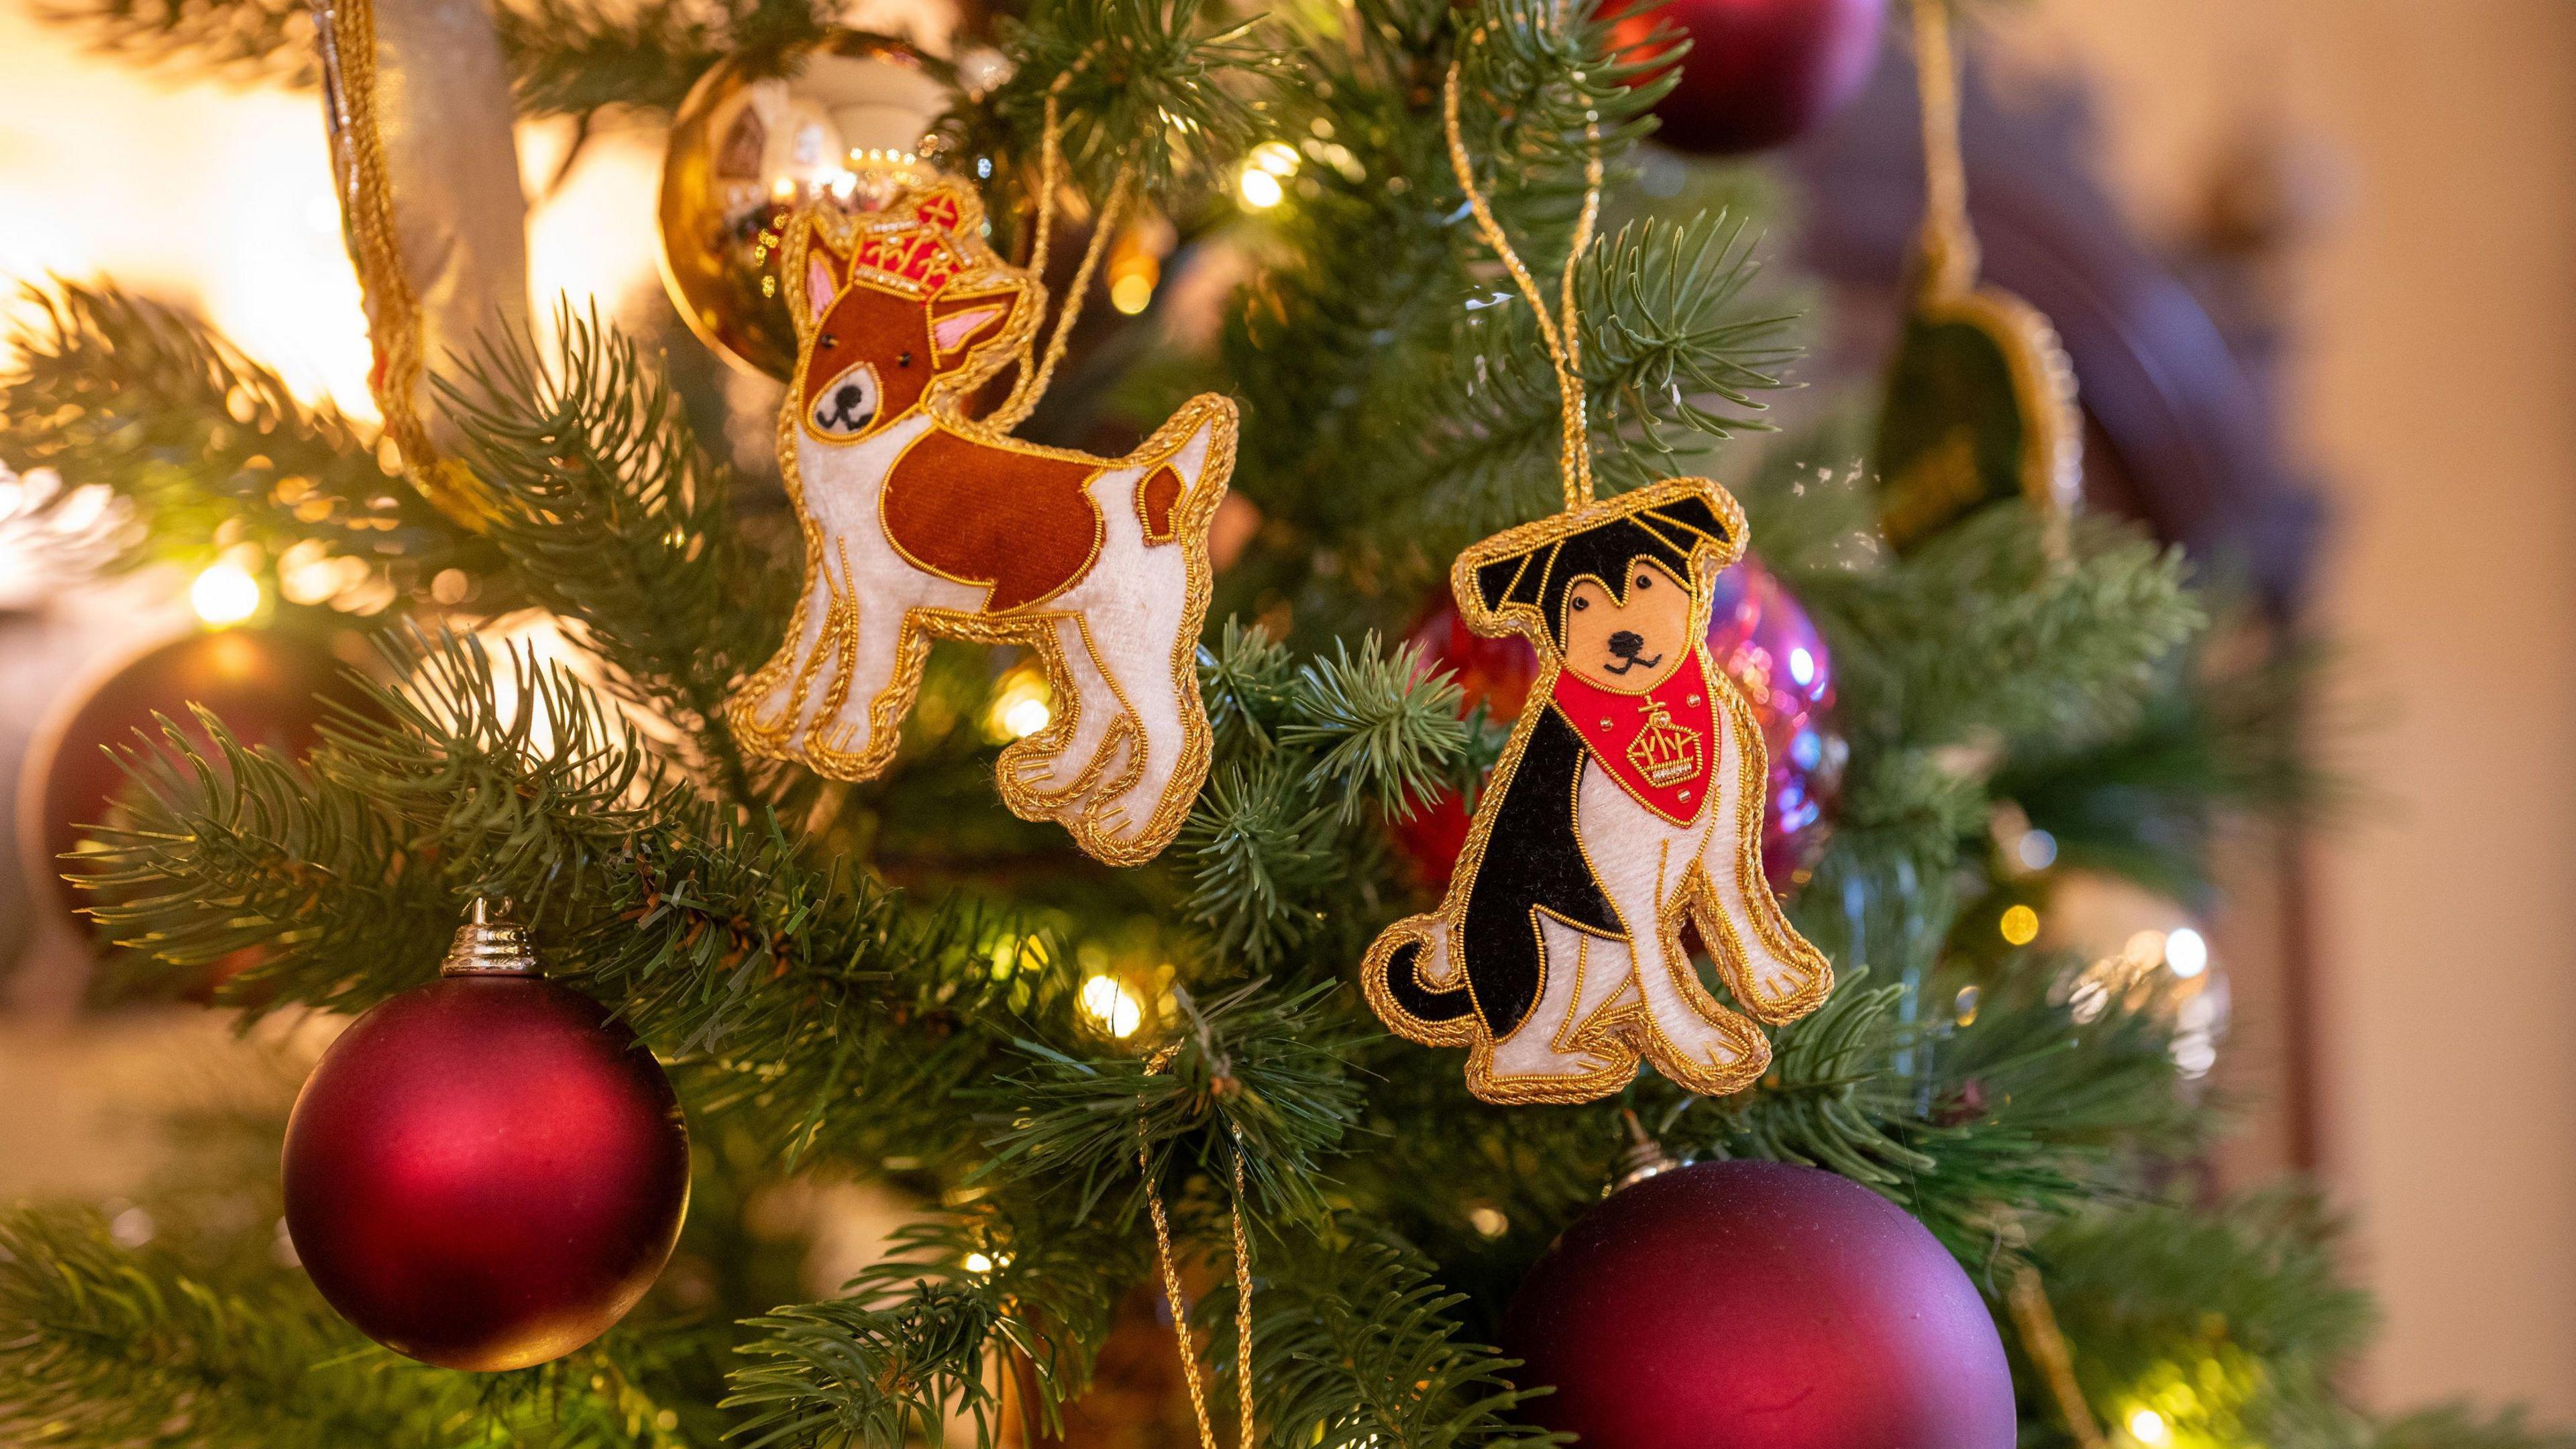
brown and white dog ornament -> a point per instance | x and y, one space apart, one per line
1627 804
920 520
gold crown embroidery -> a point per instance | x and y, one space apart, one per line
1664 752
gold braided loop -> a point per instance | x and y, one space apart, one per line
1029 387
1026 396
1949 244
345 34
1172 1280
1562 338
1050 176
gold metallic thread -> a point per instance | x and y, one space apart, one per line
1562 339
1190 1372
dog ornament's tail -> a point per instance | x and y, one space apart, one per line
1395 977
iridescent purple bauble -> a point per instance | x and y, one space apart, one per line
1762 638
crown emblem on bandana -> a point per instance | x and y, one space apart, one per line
1664 752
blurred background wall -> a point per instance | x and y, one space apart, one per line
2431 150
2433 388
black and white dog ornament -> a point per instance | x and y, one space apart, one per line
1627 804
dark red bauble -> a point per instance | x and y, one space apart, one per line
1759 72
1758 1305
486 1172
269 687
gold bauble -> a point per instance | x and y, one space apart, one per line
748 146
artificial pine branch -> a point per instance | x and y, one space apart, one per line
209 448
246 41
1672 358
1162 87
1302 750
1256 1072
576 57
612 517
1353 1345
2458 1426
1358 310
110 1345
2227 1323
922 1336
1990 633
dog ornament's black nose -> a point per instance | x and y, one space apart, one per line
1626 642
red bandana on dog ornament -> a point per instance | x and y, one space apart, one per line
1616 816
1656 744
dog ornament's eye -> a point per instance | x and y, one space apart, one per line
1645 581
846 405
1578 605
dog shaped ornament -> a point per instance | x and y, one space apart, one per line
920 521
1627 804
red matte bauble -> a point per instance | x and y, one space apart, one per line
1758 1305
1758 635
269 687
486 1172
1759 72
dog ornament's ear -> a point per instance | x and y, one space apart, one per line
1515 578
817 278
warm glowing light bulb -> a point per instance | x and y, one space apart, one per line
1276 157
1131 293
2187 953
1261 190
978 1263
1026 717
224 594
1021 706
2021 925
1108 1005
2149 1428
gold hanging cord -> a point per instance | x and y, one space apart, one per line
1172 1281
1949 243
1562 337
2046 1343
1031 384
345 34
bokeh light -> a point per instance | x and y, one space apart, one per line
224 594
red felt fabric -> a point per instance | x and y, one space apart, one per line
1610 723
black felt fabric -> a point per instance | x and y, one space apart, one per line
1532 861
1667 535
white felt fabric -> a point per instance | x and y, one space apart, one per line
1116 630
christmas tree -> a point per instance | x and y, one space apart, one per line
1108 1087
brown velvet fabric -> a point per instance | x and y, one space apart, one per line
1021 522
1159 495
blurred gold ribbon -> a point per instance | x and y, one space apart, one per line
345 33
